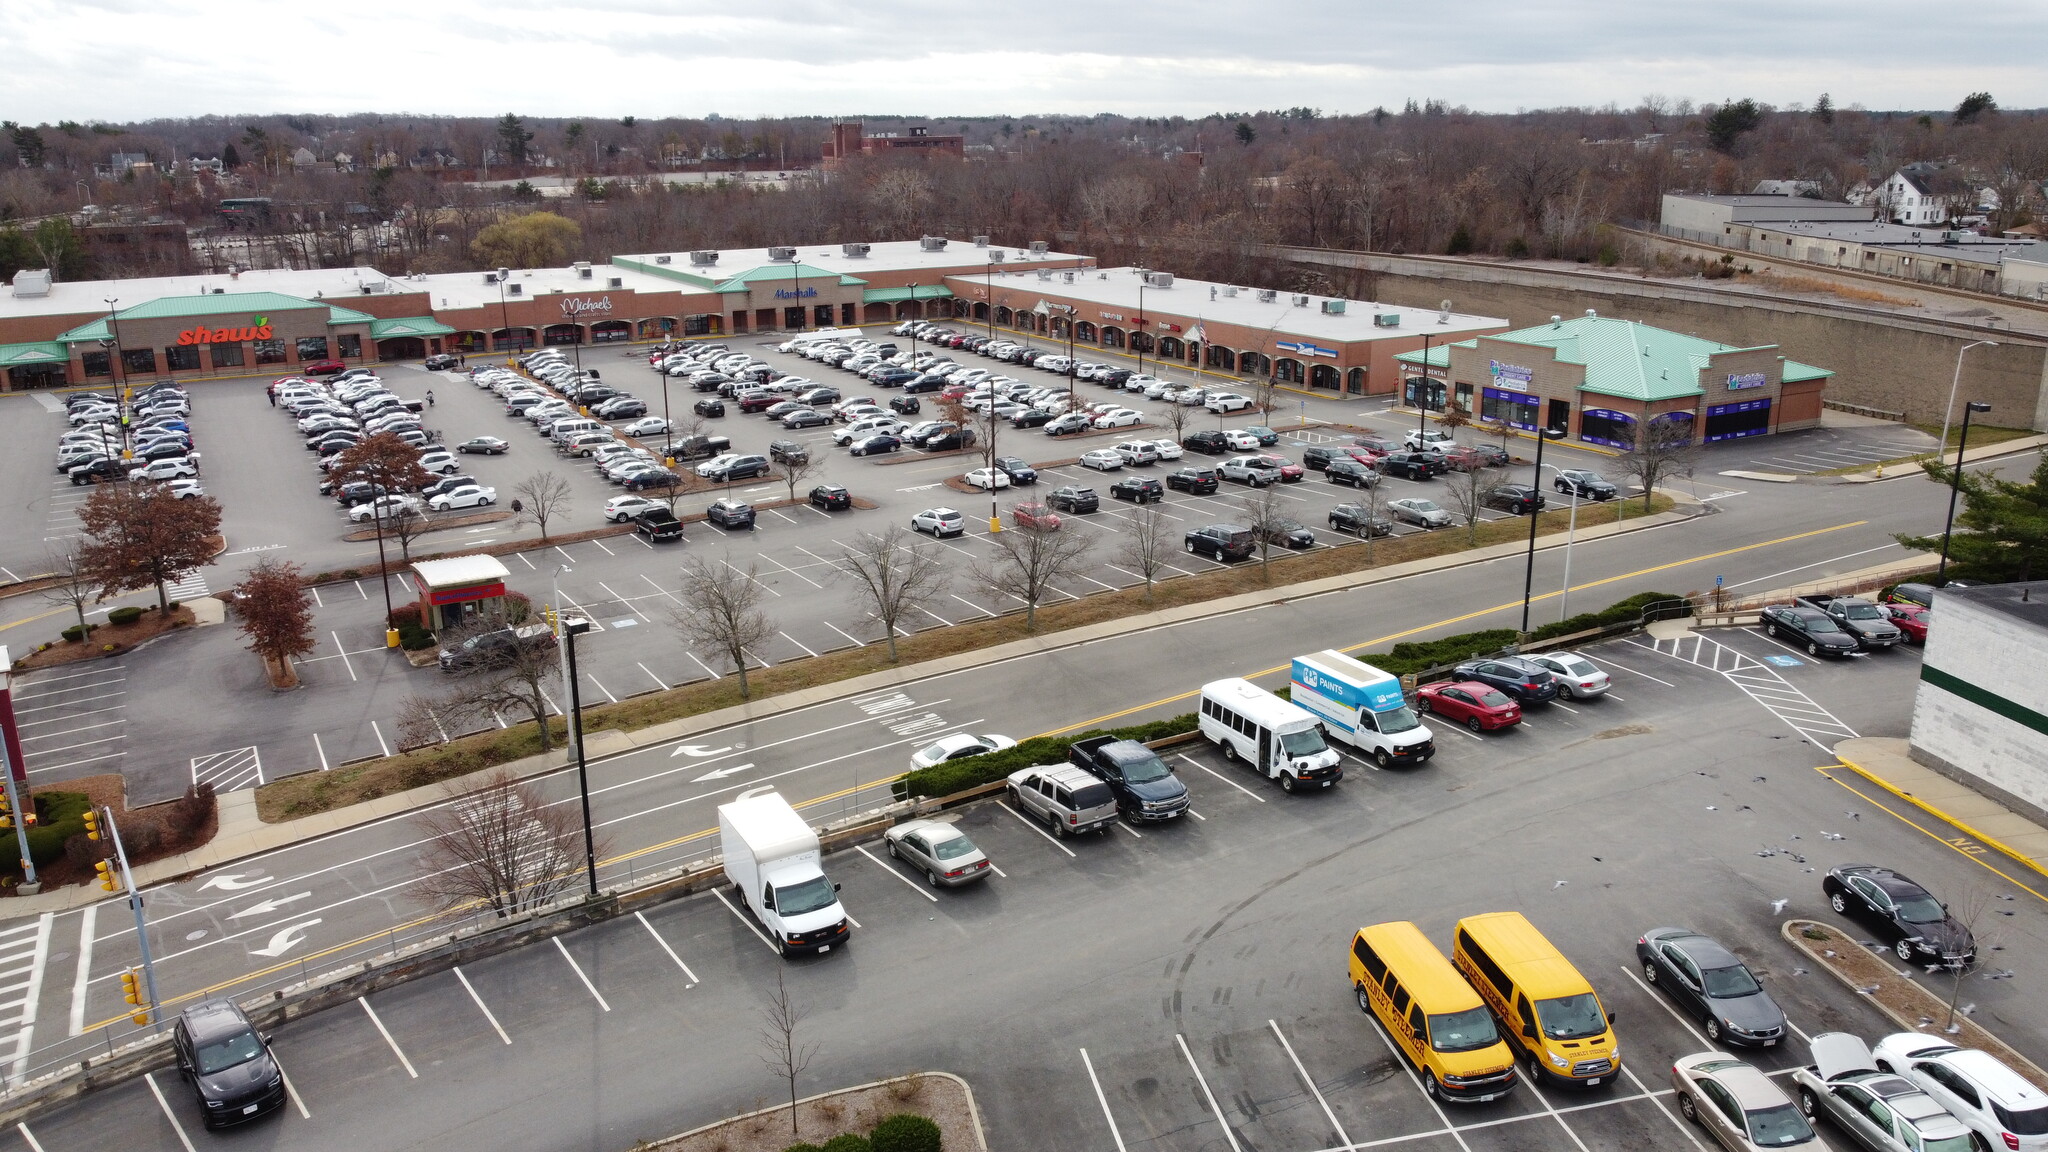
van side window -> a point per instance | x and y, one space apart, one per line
1399 994
1941 1074
1486 966
1367 722
1418 1024
1046 788
1374 966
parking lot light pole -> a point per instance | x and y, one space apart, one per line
1571 534
1948 410
1138 325
555 604
383 565
1529 573
1955 483
570 628
668 453
1422 390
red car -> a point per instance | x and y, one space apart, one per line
324 368
1912 619
1034 516
1290 472
1482 707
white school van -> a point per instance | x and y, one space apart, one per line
1361 706
1276 738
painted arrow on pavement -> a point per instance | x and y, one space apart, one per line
285 939
268 906
696 750
721 773
233 882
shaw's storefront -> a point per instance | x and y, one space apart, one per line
217 332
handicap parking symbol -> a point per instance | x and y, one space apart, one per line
1785 661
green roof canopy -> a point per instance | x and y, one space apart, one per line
919 292
215 304
770 273
42 352
336 314
409 326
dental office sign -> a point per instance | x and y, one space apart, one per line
260 330
1747 380
585 306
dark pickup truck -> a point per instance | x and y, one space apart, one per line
497 648
702 447
1870 625
1146 789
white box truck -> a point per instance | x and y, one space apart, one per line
772 856
1362 706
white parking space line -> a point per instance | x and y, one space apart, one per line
659 588
168 1114
345 661
1222 777
1402 1061
642 917
291 1089
1629 1072
1629 670
87 920
973 605
842 632
704 666
1049 839
480 1005
1214 1108
798 643
1309 1083
1566 707
658 682
1133 831
607 551
1100 1099
621 599
791 571
578 969
321 751
380 737
750 576
741 917
896 874
600 687
386 1033
36 1146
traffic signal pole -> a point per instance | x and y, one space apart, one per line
134 905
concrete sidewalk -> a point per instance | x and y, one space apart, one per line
1884 762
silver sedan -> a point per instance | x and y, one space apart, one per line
939 850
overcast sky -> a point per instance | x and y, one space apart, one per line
125 60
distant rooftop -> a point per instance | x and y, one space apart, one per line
81 296
882 256
1878 232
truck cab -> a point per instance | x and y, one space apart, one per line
772 858
1146 788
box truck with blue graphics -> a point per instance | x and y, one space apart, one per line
1362 706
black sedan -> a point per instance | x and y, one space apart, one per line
780 408
1031 418
1916 925
1354 518
1523 680
1811 627
1521 499
1344 470
1208 443
831 498
1138 489
1286 533
805 418
1709 984
875 445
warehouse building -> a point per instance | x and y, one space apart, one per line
1981 713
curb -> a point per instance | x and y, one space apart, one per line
1937 813
973 1109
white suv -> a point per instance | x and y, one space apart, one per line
2005 1110
939 522
170 469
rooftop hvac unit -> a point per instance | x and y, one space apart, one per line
1067 277
1038 248
1333 307
995 255
702 258
615 282
582 270
933 244
981 241
1230 290
1300 301
782 253
1267 295
1045 273
220 291
368 290
1159 279
490 277
1386 320
853 250
664 259
516 289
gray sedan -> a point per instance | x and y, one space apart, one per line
939 850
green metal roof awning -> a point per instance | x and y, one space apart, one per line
41 352
336 314
772 273
215 304
91 333
1795 372
916 292
1439 355
409 326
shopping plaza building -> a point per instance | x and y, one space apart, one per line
277 320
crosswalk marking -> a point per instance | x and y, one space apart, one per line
1759 682
192 587
230 770
24 950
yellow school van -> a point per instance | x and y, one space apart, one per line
1434 1016
1549 1012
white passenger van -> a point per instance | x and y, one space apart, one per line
1278 739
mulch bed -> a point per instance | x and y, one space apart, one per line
940 1099
120 637
149 833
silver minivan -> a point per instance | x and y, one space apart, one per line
1069 800
561 430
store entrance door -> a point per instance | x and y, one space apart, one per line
1560 416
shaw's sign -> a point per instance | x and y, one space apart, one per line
257 331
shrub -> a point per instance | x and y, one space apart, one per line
848 1142
59 817
414 638
1517 249
1643 606
905 1132
189 813
127 614
803 1146
84 851
960 775
74 634
405 615
518 607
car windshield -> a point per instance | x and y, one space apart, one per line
1571 1017
1145 771
1865 612
228 1051
1573 667
808 896
1946 1144
1493 699
954 848
1777 1126
1307 742
1422 505
1920 909
1467 1031
1733 981
1400 719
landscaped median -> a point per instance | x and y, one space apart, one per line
1304 573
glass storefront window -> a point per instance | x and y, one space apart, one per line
270 351
350 347
312 347
226 355
823 312
97 364
138 359
1514 409
1601 426
181 358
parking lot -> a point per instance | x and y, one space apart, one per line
1183 985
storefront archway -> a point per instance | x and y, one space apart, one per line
609 331
1221 357
555 334
511 339
467 341
1606 426
1356 381
1112 337
1172 348
1084 332
1142 342
402 348
1254 364
1288 370
1324 376
1003 315
981 310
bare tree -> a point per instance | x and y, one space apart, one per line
499 843
1466 492
1265 513
543 496
797 470
1175 417
1374 501
892 578
1656 452
1147 545
784 1054
493 676
406 524
1028 563
721 610
72 585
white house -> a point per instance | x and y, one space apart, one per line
1925 193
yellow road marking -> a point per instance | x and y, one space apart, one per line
1827 769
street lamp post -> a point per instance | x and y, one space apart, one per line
1571 533
1535 514
383 565
504 309
1138 325
555 591
668 452
995 521
1955 483
120 369
1941 450
570 629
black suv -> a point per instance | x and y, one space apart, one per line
228 1063
1207 443
1521 499
1017 470
495 648
1355 519
1345 470
831 497
1073 499
1138 489
1195 481
1414 465
709 408
1525 680
1222 542
788 452
950 441
730 514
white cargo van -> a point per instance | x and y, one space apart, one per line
562 430
1280 741
771 856
1361 706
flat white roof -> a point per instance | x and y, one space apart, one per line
458 571
328 285
1206 301
469 289
883 256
